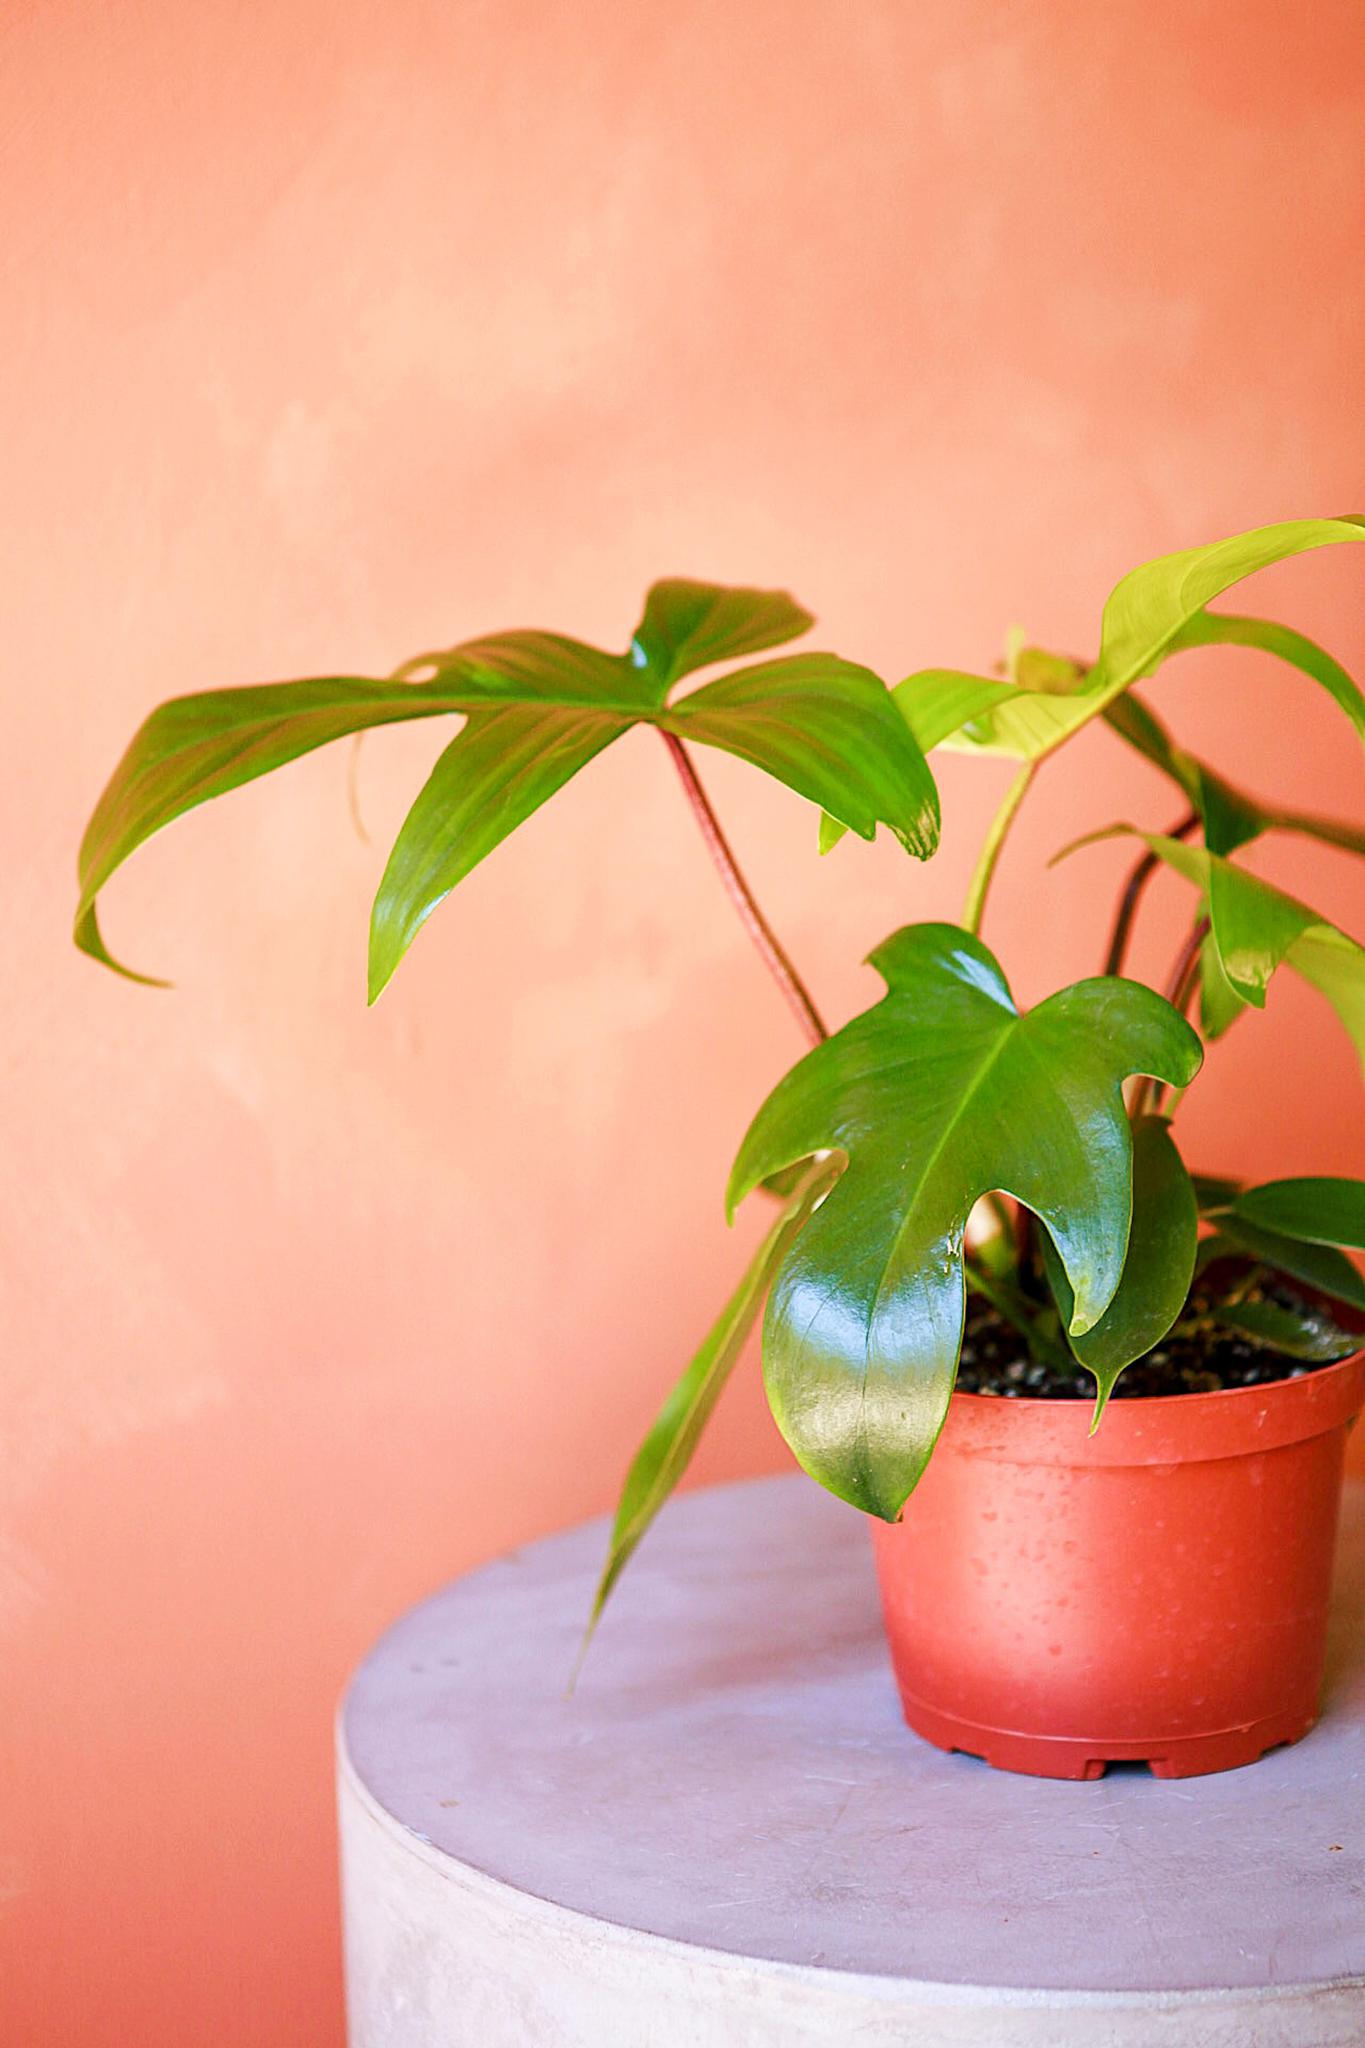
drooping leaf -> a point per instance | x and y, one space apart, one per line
830 731
1304 1333
1319 1265
1157 1271
1317 1209
664 1455
1223 629
1144 617
538 707
1256 928
494 774
194 748
938 1094
1231 817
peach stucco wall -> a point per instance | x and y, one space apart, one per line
335 331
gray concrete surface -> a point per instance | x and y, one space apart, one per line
727 1835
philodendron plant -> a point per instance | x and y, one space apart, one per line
1049 1131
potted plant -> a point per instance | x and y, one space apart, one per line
1135 1381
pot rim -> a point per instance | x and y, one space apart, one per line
1157 1429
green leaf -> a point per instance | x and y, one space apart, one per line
1256 928
538 707
830 731
938 1094
1298 1333
664 1455
1214 1191
194 748
939 703
1157 1271
492 776
1219 1003
1319 1265
933 704
1231 816
1320 1210
1146 613
688 625
1222 629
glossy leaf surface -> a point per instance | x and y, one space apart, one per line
194 748
830 731
688 625
1319 1265
1156 1272
1232 817
1296 1333
1319 1210
938 1094
1144 618
537 708
664 1455
494 774
1257 928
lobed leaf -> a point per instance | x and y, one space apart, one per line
940 1093
539 706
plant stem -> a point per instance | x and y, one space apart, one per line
991 849
1133 889
1184 975
1179 991
1016 1311
769 947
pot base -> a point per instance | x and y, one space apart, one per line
1067 1756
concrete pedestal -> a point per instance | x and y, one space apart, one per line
727 1835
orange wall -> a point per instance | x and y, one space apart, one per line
340 330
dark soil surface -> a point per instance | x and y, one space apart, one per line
995 1360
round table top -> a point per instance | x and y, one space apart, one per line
733 1772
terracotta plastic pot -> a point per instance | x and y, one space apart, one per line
1057 1601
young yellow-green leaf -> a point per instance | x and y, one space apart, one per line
1145 615
1304 1333
1157 1271
831 732
939 1094
1318 1209
664 1455
1224 629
